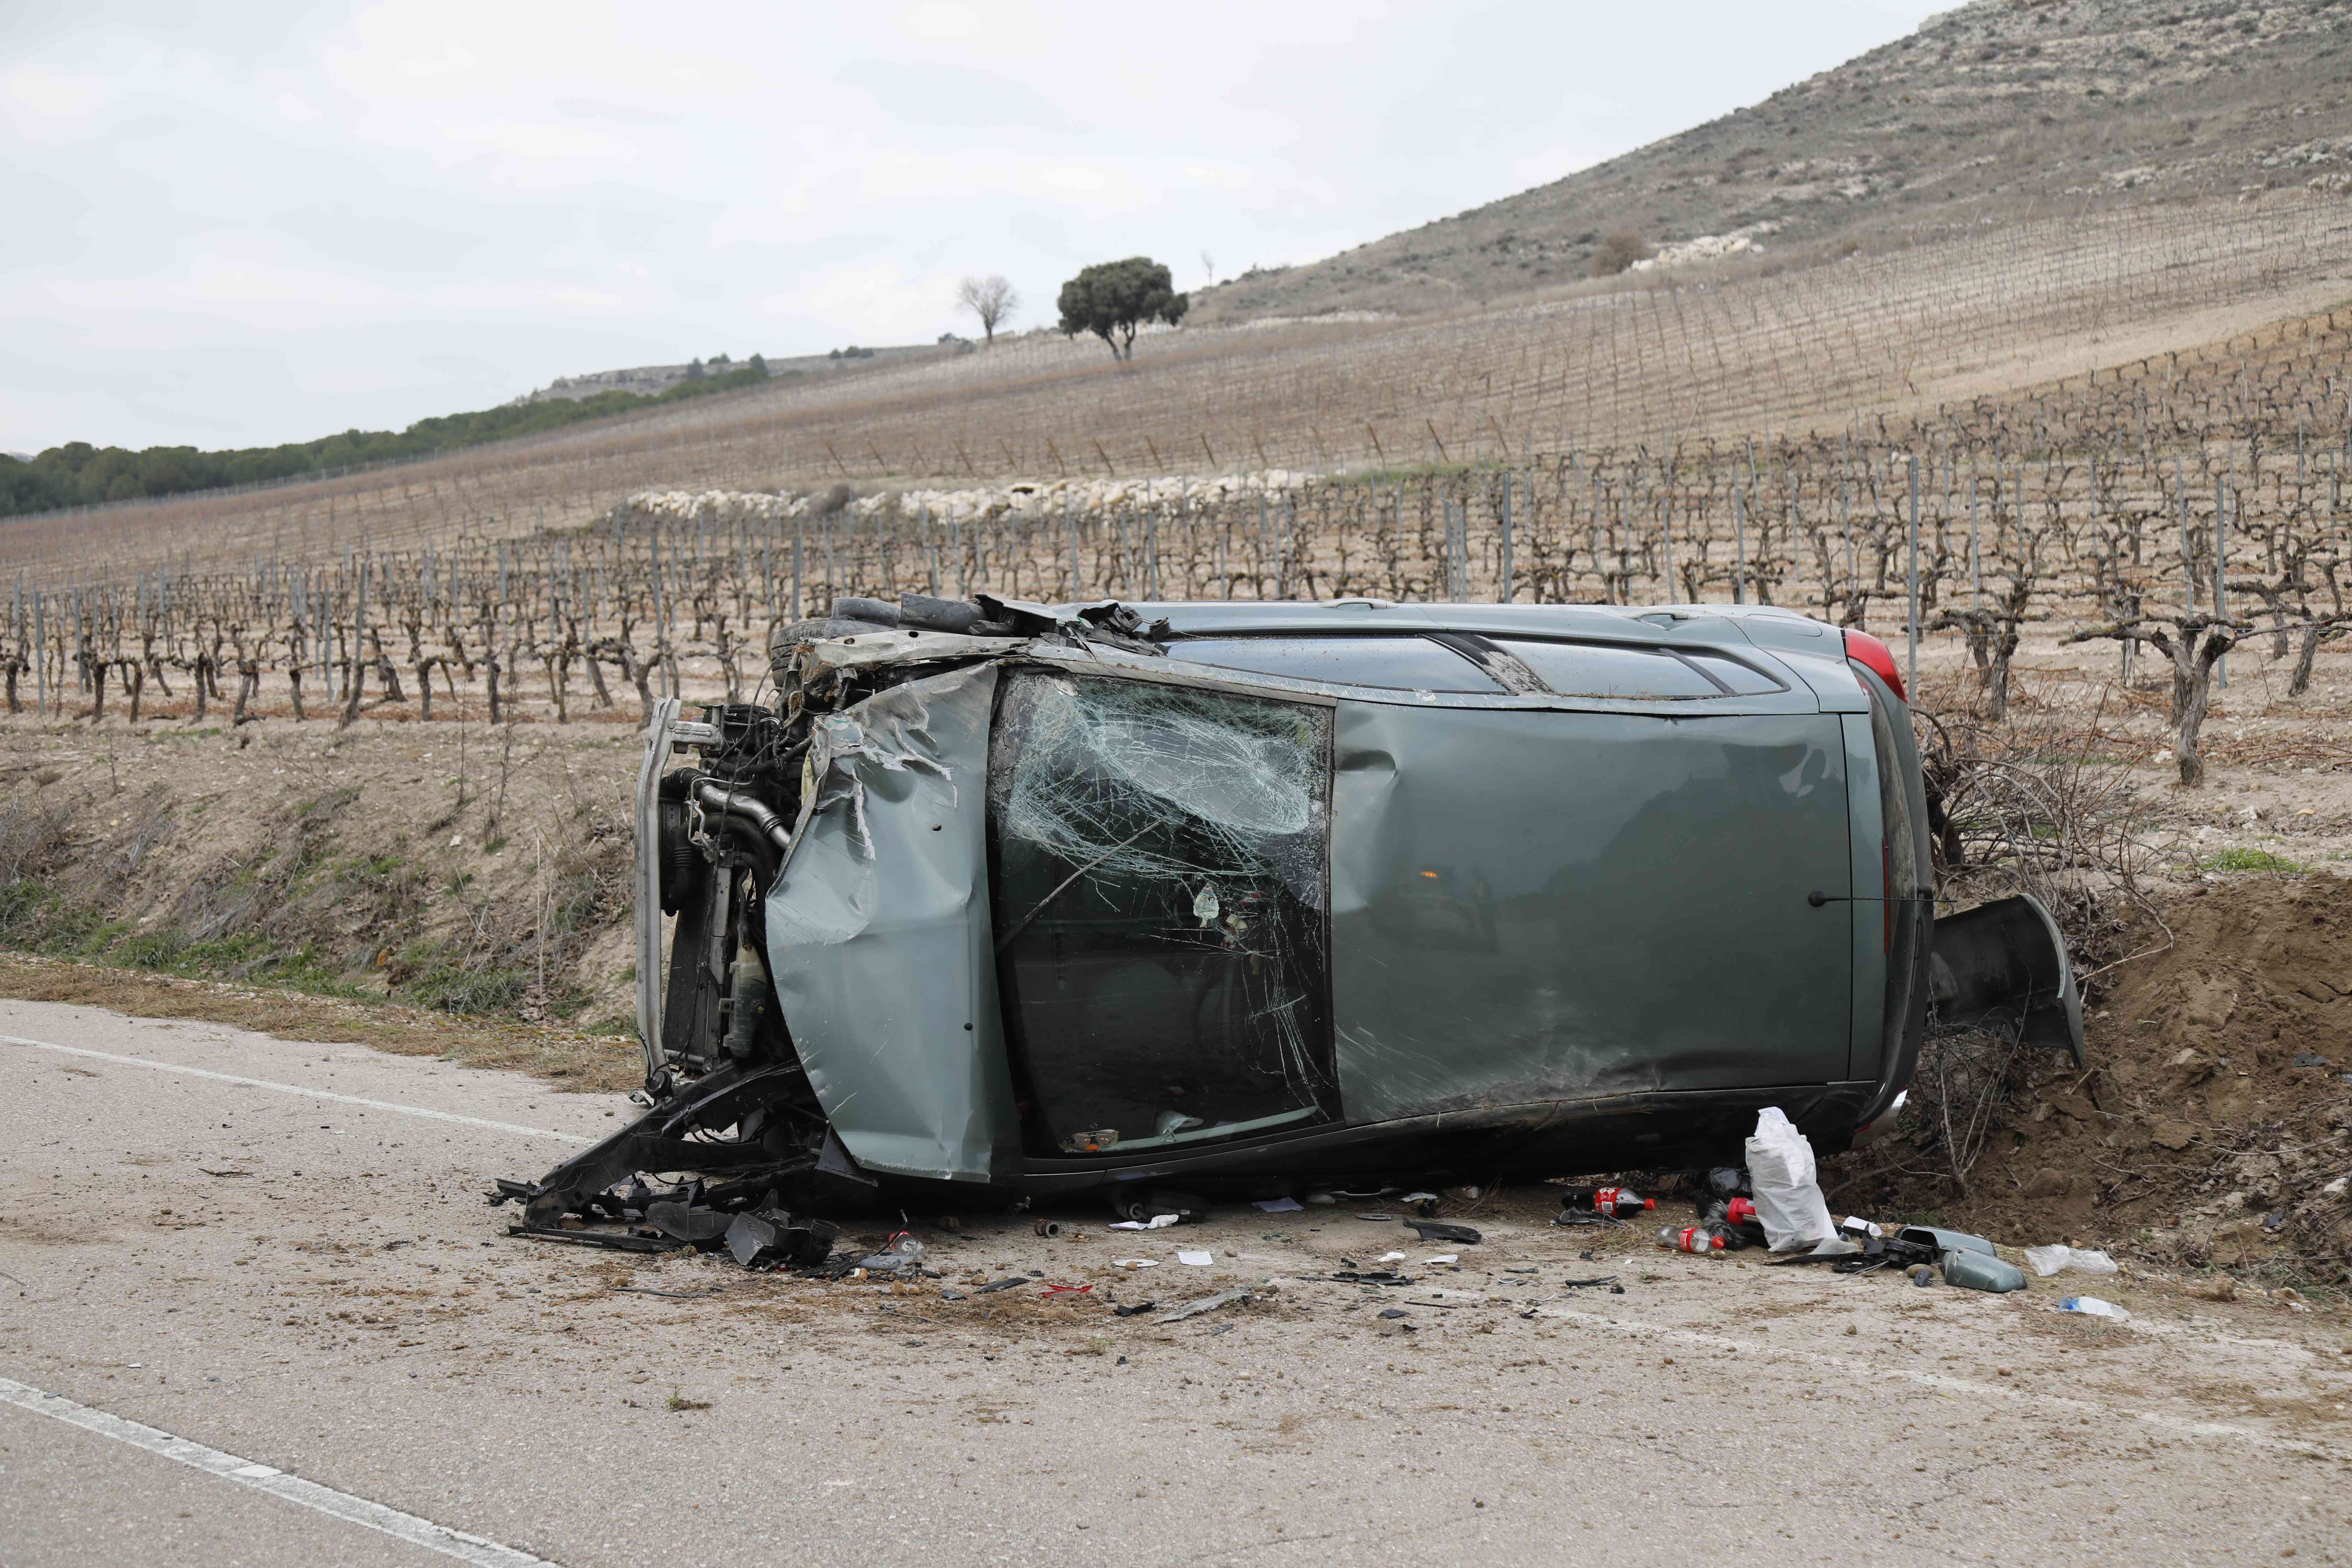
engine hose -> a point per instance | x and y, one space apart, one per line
734 805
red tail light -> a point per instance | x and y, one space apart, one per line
1877 658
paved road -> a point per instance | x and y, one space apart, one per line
313 1284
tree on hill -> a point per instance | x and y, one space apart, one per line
992 299
1112 299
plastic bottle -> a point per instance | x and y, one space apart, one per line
1617 1203
1690 1238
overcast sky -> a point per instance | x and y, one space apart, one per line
245 223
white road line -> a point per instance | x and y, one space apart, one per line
1944 1383
276 1483
297 1088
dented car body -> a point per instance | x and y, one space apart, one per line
1018 900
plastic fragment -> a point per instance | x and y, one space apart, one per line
1443 1257
1435 1230
2057 1256
1157 1221
1279 1205
1205 1304
2092 1306
1197 1259
1135 1263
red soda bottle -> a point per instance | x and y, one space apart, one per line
1690 1238
1617 1203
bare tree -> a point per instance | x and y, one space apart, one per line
992 299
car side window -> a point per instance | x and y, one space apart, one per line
1157 887
1601 670
1409 663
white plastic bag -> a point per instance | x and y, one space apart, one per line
2092 1306
2048 1260
1781 1173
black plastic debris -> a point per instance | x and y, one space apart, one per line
1582 1284
1438 1230
1001 1285
1137 1311
1377 1218
1370 1277
611 1240
772 1238
1395 1312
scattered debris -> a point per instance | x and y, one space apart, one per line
1973 1271
1430 1230
1001 1285
1137 1311
1781 1171
2052 1259
1197 1259
1157 1221
1205 1304
1610 1203
1279 1205
2091 1305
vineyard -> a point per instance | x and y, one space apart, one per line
1783 346
2098 500
1595 448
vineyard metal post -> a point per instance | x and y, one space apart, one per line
1911 674
1739 545
1666 533
1506 536
2220 593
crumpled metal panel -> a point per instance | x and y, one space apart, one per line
878 933
1532 907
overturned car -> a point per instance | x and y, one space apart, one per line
1002 900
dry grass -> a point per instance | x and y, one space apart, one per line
588 1064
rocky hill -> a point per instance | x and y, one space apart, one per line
1984 112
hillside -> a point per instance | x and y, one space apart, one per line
1984 113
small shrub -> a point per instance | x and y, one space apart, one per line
1618 251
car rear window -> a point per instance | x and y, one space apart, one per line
1595 669
1408 663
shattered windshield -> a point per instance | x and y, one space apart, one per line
1160 863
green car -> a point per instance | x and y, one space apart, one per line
1025 900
